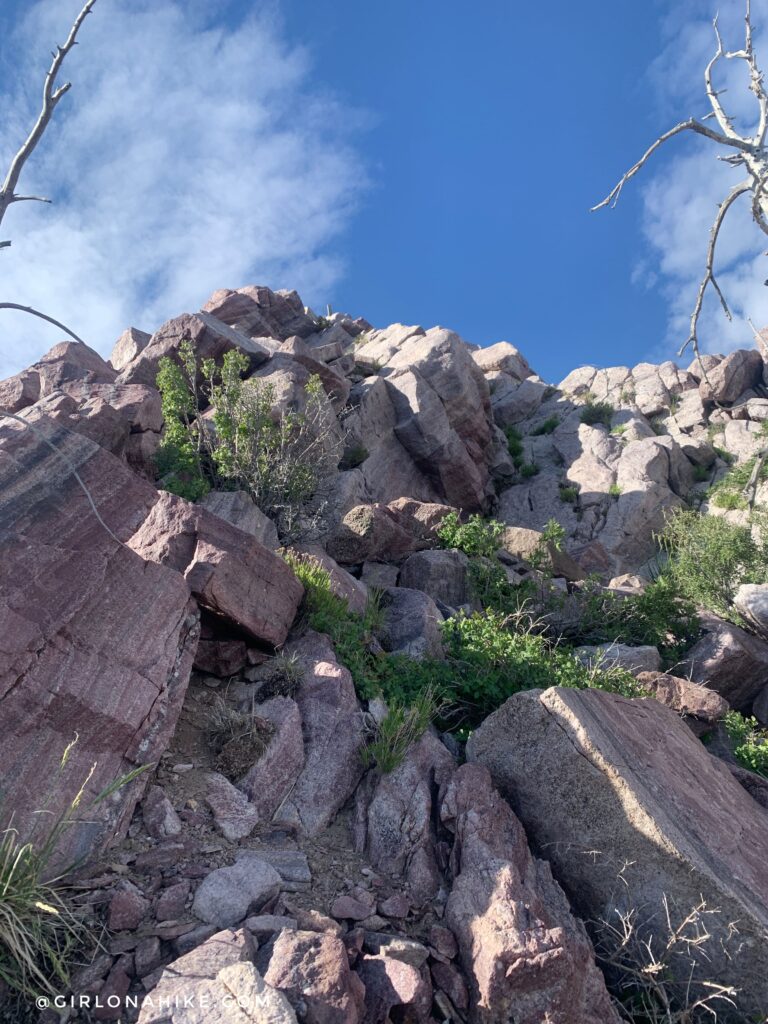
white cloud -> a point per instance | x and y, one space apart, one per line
681 192
189 155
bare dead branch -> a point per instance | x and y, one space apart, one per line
43 316
709 276
690 125
52 94
30 199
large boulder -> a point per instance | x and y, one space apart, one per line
97 642
370 532
130 343
239 509
410 623
257 311
232 575
635 812
728 660
732 376
333 738
312 969
526 957
444 575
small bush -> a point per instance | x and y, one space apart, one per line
614 491
477 536
750 742
709 558
515 445
701 473
528 469
595 413
619 429
353 457
549 426
569 494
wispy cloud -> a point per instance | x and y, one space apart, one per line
681 191
191 154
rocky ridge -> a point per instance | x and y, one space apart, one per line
280 868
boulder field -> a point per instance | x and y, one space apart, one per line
273 871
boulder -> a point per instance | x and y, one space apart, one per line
257 311
130 343
397 820
234 815
629 784
370 533
525 955
272 777
751 602
230 573
524 544
97 642
333 738
728 660
410 623
210 338
443 575
239 509
227 895
502 356
699 706
160 819
216 982
760 707
390 984
727 379
615 655
312 970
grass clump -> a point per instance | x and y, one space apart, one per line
515 445
528 469
619 429
477 537
750 742
597 413
405 723
569 494
700 474
549 426
614 491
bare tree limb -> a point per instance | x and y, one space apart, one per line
43 316
690 125
51 96
30 199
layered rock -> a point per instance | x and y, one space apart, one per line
635 811
97 642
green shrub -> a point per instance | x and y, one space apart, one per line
750 742
709 558
549 426
594 413
701 473
728 493
619 429
528 469
477 536
515 445
280 456
614 491
569 494
353 457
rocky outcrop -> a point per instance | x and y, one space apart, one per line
97 642
652 814
527 958
729 661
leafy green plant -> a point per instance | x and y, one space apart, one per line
528 469
282 457
750 742
569 494
353 457
709 558
477 536
549 426
614 491
595 413
619 429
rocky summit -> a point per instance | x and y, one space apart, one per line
358 675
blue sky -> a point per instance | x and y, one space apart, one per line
422 161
